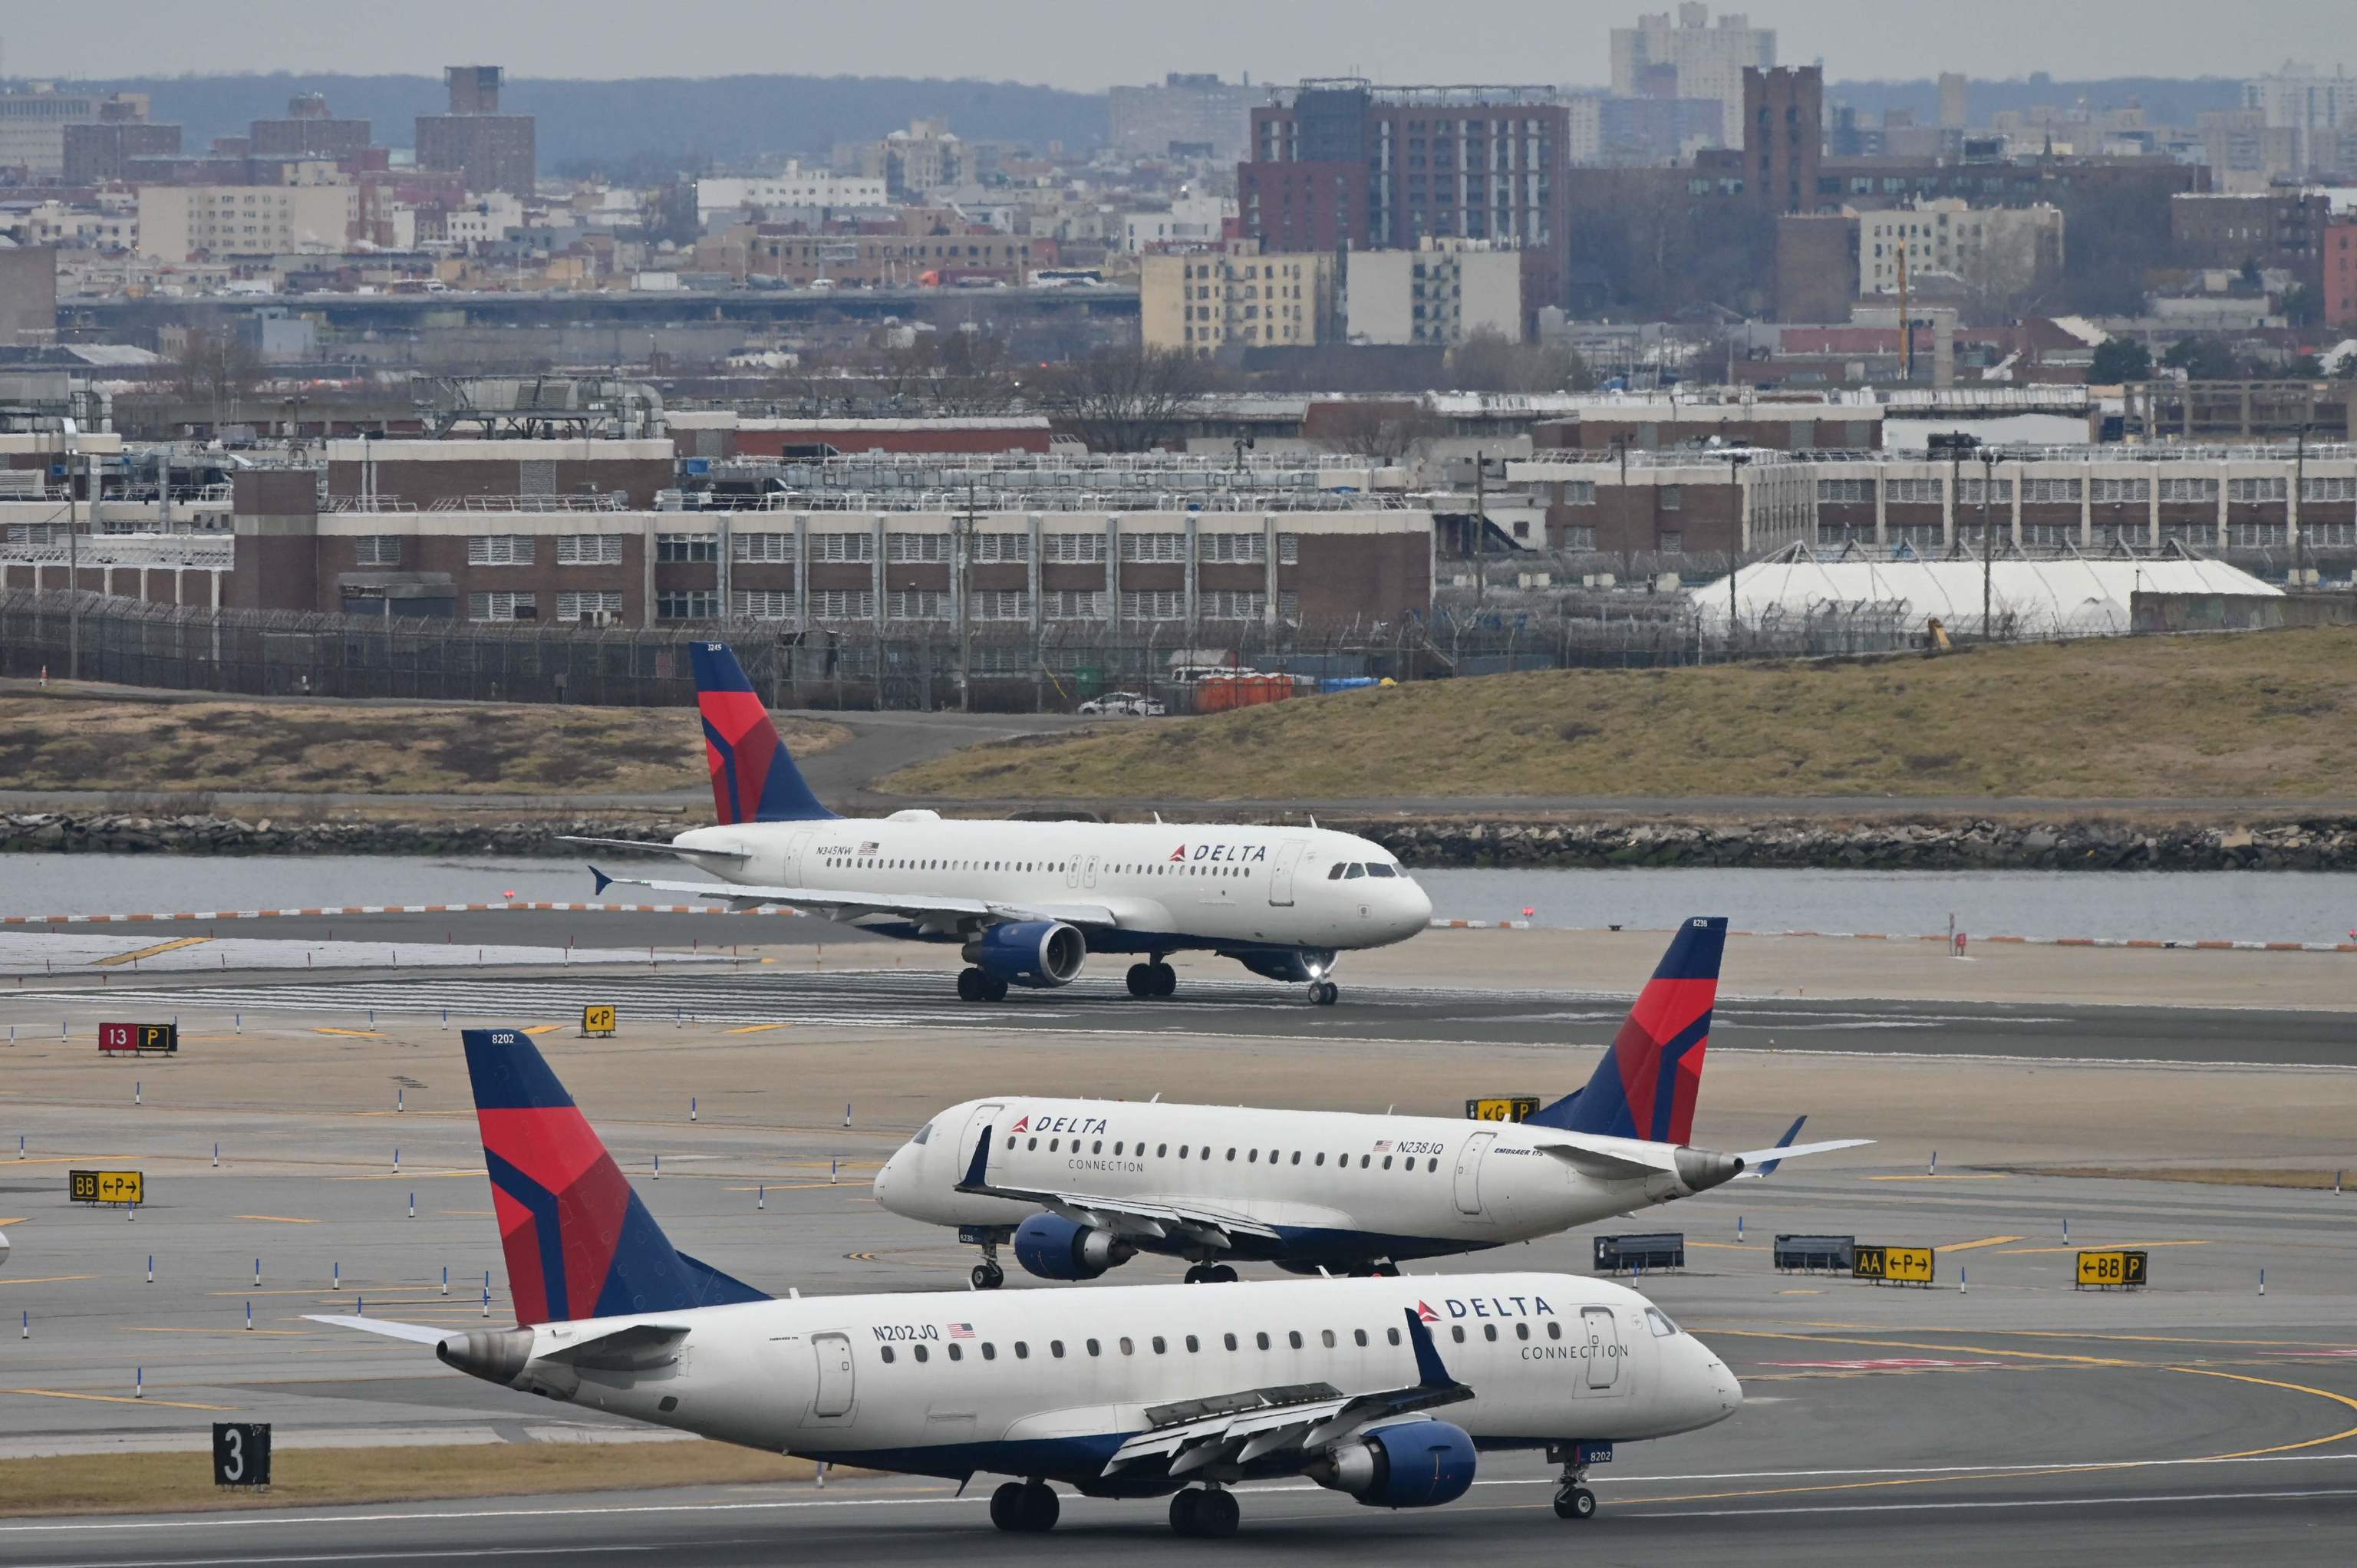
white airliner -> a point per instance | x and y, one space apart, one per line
1126 1392
1078 1185
1028 902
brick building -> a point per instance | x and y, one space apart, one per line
521 472
308 131
728 436
2280 229
98 152
2340 273
495 151
1783 135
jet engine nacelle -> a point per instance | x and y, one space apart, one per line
1055 1249
1415 1465
1042 953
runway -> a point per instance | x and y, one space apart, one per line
923 998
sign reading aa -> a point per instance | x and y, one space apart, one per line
241 1454
1901 1265
144 1038
106 1187
1502 1107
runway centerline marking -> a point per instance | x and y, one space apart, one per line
115 1399
1984 1241
278 1219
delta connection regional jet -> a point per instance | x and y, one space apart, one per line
1028 902
1387 1390
1080 1186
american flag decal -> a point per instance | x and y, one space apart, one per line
870 847
1383 1145
960 1330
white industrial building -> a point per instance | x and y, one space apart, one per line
2064 596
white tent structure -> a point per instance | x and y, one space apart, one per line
2069 597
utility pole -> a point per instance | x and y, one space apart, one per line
74 561
1988 543
2291 507
1480 526
961 552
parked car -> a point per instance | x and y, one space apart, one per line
1123 704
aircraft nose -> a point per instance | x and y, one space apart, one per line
1719 1393
886 1178
1418 913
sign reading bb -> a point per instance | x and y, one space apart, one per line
241 1454
2113 1266
106 1187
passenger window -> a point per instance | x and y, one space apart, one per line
1322 1159
1194 1344
1031 1144
1116 1148
1056 1144
1205 1152
1094 1348
1387 1159
1010 1140
957 1353
1432 1165
1554 1329
1022 1352
1252 1157
1490 1332
1230 1340
989 1351
1095 1148
1162 1149
1272 1156
1127 1348
887 1355
1232 1153
1456 1332
920 1352
1261 1339
1391 1335
1296 1156
1521 1331
1359 1337
1293 1338
1055 1349
1161 1347
1326 1336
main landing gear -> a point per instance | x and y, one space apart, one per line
1147 980
1025 1508
1211 1275
1572 1497
1324 994
1203 1513
978 984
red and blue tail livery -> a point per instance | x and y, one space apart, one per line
579 1242
754 778
1647 1084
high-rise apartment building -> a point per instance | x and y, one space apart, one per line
1341 165
1783 135
33 125
97 151
1189 115
1204 302
1955 101
495 151
308 131
179 223
1442 293
1692 57
2314 107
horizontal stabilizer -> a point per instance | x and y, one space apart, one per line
1768 1159
415 1332
646 848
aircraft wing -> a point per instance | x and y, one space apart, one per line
1226 1432
839 904
1121 1216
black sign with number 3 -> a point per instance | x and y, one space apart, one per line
241 1454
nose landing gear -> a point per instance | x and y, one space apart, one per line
1572 1498
1324 994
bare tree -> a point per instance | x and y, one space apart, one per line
1124 399
1489 362
216 364
1385 428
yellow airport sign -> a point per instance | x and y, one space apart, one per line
597 1019
1502 1107
2114 1266
106 1187
1902 1265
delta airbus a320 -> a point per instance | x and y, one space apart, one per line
1079 1187
1386 1390
1028 902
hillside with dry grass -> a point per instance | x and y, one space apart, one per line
2266 715
52 741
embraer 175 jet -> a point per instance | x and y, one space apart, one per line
1028 901
1386 1390
1078 1185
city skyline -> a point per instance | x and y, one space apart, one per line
1032 41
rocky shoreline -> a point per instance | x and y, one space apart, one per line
1880 843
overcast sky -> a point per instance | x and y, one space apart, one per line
1092 44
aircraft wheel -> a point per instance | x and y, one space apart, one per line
1142 980
993 990
988 1275
1194 1274
970 985
1007 1507
1039 1508
1574 1502
1165 979
1217 1515
1219 1275
1325 993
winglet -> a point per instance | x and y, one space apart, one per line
977 1174
1428 1370
1768 1168
604 881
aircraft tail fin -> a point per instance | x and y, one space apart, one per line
579 1243
754 778
1647 1084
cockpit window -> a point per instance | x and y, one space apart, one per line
1377 868
1336 875
923 1132
1355 872
1662 1327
